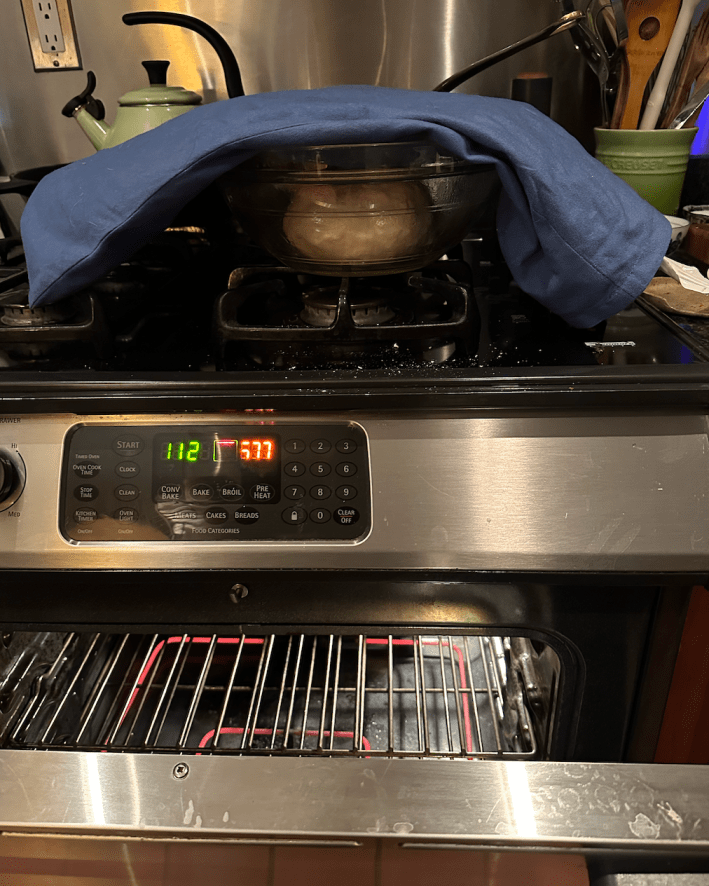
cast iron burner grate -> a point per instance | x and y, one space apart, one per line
399 696
275 318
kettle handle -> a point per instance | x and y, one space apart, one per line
86 100
232 74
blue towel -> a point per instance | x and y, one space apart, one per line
575 236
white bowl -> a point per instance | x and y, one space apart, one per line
680 226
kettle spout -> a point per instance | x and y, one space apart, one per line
89 113
96 130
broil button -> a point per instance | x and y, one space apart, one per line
346 516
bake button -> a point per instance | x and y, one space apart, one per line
128 444
294 516
294 469
126 492
346 492
320 492
321 446
127 469
85 515
346 469
86 470
86 492
246 515
320 469
345 446
346 516
294 446
126 515
231 491
262 492
320 515
215 516
294 492
201 491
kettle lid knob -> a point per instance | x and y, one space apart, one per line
157 71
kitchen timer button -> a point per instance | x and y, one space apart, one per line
85 515
346 516
294 516
86 492
128 445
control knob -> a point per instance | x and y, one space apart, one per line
12 479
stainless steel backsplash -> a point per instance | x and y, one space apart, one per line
280 44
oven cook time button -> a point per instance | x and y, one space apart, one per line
86 470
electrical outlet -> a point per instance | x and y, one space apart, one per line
51 33
49 27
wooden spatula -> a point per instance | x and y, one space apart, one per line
694 61
650 24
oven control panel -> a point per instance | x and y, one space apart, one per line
232 482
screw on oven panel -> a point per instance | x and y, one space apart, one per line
181 770
238 592
6 639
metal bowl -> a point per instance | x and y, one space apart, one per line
359 210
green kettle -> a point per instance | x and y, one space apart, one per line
138 110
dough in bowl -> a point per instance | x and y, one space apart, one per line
357 222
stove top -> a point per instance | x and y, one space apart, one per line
182 305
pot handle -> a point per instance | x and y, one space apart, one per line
232 74
563 24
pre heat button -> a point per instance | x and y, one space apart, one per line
128 444
346 516
262 492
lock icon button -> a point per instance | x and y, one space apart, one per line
294 516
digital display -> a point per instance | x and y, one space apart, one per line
219 450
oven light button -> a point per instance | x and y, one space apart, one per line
126 515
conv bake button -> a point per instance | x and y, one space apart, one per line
128 444
346 516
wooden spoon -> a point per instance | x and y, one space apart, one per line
650 25
695 59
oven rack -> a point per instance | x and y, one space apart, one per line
423 696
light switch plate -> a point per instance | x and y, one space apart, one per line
51 34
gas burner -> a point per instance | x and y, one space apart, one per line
15 311
273 318
367 309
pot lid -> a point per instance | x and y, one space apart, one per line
158 93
